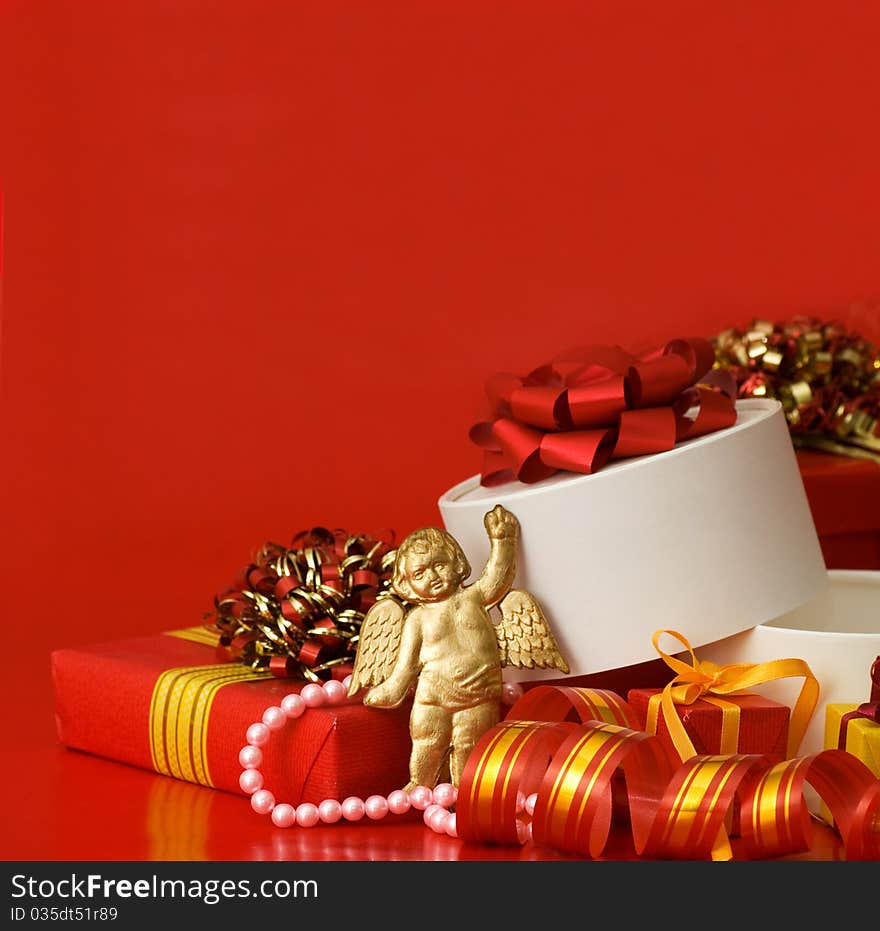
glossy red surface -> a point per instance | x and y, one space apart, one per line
80 807
259 258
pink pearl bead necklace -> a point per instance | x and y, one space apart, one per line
433 803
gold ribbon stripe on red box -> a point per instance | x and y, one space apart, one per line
180 709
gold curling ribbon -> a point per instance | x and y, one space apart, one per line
707 680
179 713
825 376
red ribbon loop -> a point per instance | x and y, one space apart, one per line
597 403
540 406
580 451
698 354
715 411
522 446
658 381
651 430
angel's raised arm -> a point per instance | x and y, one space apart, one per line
497 577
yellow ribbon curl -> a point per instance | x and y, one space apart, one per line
704 679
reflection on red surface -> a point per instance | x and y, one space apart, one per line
82 807
177 820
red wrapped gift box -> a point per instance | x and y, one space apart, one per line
169 704
763 724
844 498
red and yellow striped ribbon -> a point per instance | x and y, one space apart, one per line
511 764
575 803
707 680
674 813
561 702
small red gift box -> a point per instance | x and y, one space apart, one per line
844 499
758 724
167 703
762 723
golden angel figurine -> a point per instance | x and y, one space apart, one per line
437 631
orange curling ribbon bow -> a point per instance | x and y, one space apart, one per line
597 403
706 680
674 813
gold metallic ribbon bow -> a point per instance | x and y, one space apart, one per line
297 611
707 680
825 375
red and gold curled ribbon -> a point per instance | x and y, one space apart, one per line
825 374
709 681
297 610
597 403
574 766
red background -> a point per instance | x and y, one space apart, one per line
258 258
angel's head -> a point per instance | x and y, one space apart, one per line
430 566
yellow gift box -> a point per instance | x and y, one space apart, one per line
862 739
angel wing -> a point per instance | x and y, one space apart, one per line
378 643
524 636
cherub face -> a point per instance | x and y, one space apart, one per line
432 576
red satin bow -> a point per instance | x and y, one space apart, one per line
598 403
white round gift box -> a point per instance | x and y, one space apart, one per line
837 634
711 538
